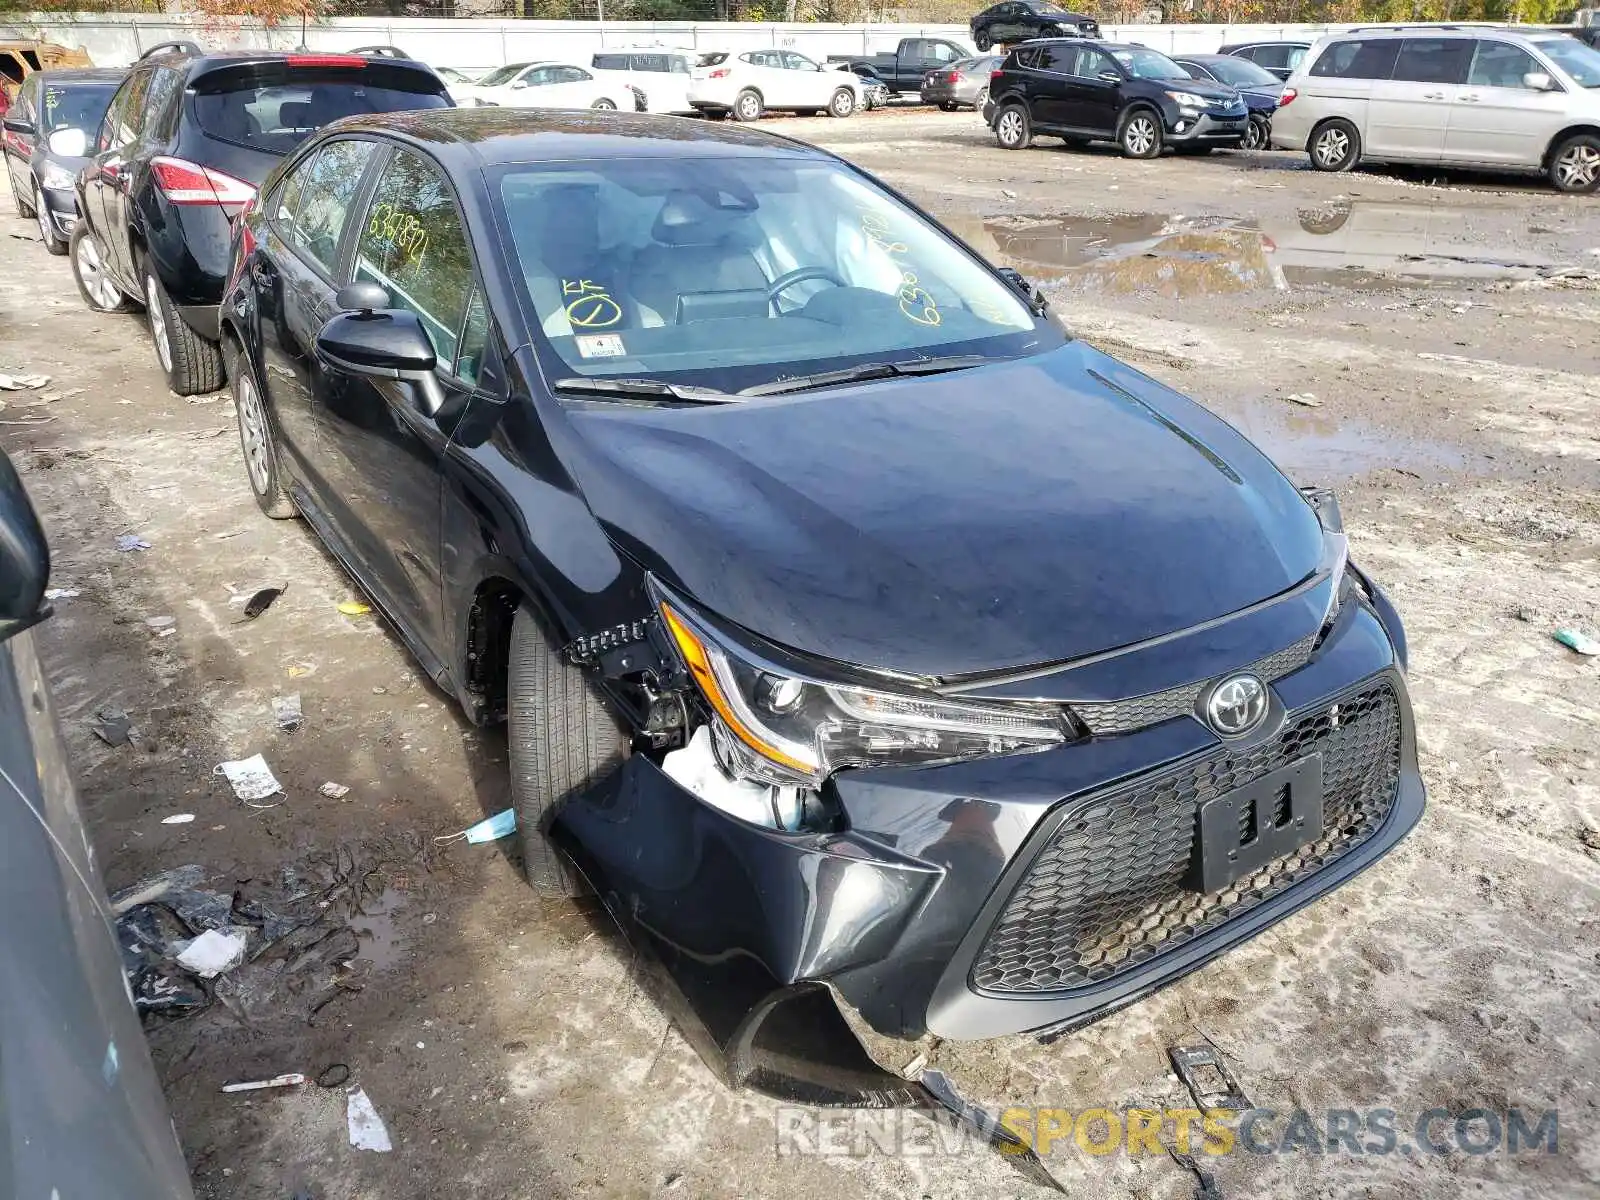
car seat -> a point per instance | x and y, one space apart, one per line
701 262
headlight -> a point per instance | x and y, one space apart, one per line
56 178
1188 99
791 729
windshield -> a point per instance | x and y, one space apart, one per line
735 272
1147 64
1581 62
1044 6
81 106
1241 73
504 75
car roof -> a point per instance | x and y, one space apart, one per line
69 75
1443 31
1264 42
464 139
1201 58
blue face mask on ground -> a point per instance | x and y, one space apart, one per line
490 829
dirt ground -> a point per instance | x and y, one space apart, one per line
1439 336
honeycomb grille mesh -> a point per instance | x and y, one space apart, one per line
1110 890
1123 716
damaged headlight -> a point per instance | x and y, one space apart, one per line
1336 550
790 729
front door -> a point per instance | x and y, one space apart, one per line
1495 117
1092 99
116 167
1409 113
380 451
18 147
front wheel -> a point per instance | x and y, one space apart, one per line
748 106
843 103
562 740
980 99
983 42
1258 135
1575 165
1012 129
99 291
256 441
1141 134
1336 146
53 241
604 105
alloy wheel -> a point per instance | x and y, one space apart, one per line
749 107
1332 147
253 432
980 99
158 323
605 105
1140 136
843 103
43 215
91 269
1253 136
1578 167
1009 127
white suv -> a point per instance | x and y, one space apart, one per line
1470 97
749 83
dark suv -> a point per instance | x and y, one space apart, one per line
187 139
1018 20
1083 91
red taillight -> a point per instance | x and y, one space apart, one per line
994 76
1288 95
185 182
721 73
953 77
326 60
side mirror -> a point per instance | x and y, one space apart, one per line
24 554
1539 81
18 125
521 83
381 343
69 143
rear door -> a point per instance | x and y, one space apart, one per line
1409 113
1495 117
1055 85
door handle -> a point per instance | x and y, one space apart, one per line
261 273
1468 98
1433 95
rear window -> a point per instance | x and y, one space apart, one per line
276 118
714 59
609 62
1357 60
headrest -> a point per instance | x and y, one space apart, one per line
691 219
294 114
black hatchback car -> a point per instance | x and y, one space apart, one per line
184 143
1015 21
859 632
47 132
1083 91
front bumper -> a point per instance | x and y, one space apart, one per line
1216 128
62 207
904 914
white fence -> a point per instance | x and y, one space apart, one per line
114 39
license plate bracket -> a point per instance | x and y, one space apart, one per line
1241 831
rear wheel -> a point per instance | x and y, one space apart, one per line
1575 165
1335 146
1012 128
842 103
192 364
99 291
562 740
748 106
980 99
1141 134
604 105
1258 135
53 241
983 42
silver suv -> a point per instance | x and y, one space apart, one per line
1453 96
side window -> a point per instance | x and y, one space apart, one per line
1059 58
327 186
161 103
917 49
1297 55
1434 60
474 338
609 62
1028 58
942 53
654 63
537 77
1249 53
1501 65
130 113
572 75
1091 62
1358 60
680 65
414 247
25 109
1272 57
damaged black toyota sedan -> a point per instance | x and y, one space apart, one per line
883 657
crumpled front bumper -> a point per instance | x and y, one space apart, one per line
1215 128
753 928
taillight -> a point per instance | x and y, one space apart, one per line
994 76
183 182
953 77
1288 95
720 73
326 60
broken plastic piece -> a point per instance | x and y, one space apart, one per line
286 711
252 780
277 1081
1207 1077
367 1131
178 819
214 952
18 383
943 1095
1304 398
334 791
129 542
62 594
261 601
354 608
1581 642
162 622
112 726
695 768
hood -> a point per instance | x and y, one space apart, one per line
1011 515
1254 96
1200 87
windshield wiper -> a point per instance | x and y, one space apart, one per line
648 389
872 370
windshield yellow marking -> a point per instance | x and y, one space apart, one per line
916 304
591 306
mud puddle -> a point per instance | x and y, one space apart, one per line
1315 446
1361 245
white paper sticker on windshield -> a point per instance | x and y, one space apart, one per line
600 345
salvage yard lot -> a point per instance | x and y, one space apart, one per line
1427 348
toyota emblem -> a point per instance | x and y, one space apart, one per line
1236 705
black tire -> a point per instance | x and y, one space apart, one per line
1012 127
1575 164
842 104
193 365
257 442
947 106
87 258
983 42
562 739
53 241
603 105
747 106
980 99
1141 134
1258 136
1334 146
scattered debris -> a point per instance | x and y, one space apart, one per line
18 383
1207 1188
112 726
182 891
333 1075
367 1130
286 711
914 1068
502 824
300 670
252 780
1207 1077
333 791
214 952
354 608
943 1097
429 918
161 624
127 543
178 819
62 594
1581 642
262 600
277 1081
1304 398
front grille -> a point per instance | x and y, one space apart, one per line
1110 890
1123 716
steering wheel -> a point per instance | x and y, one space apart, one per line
799 275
